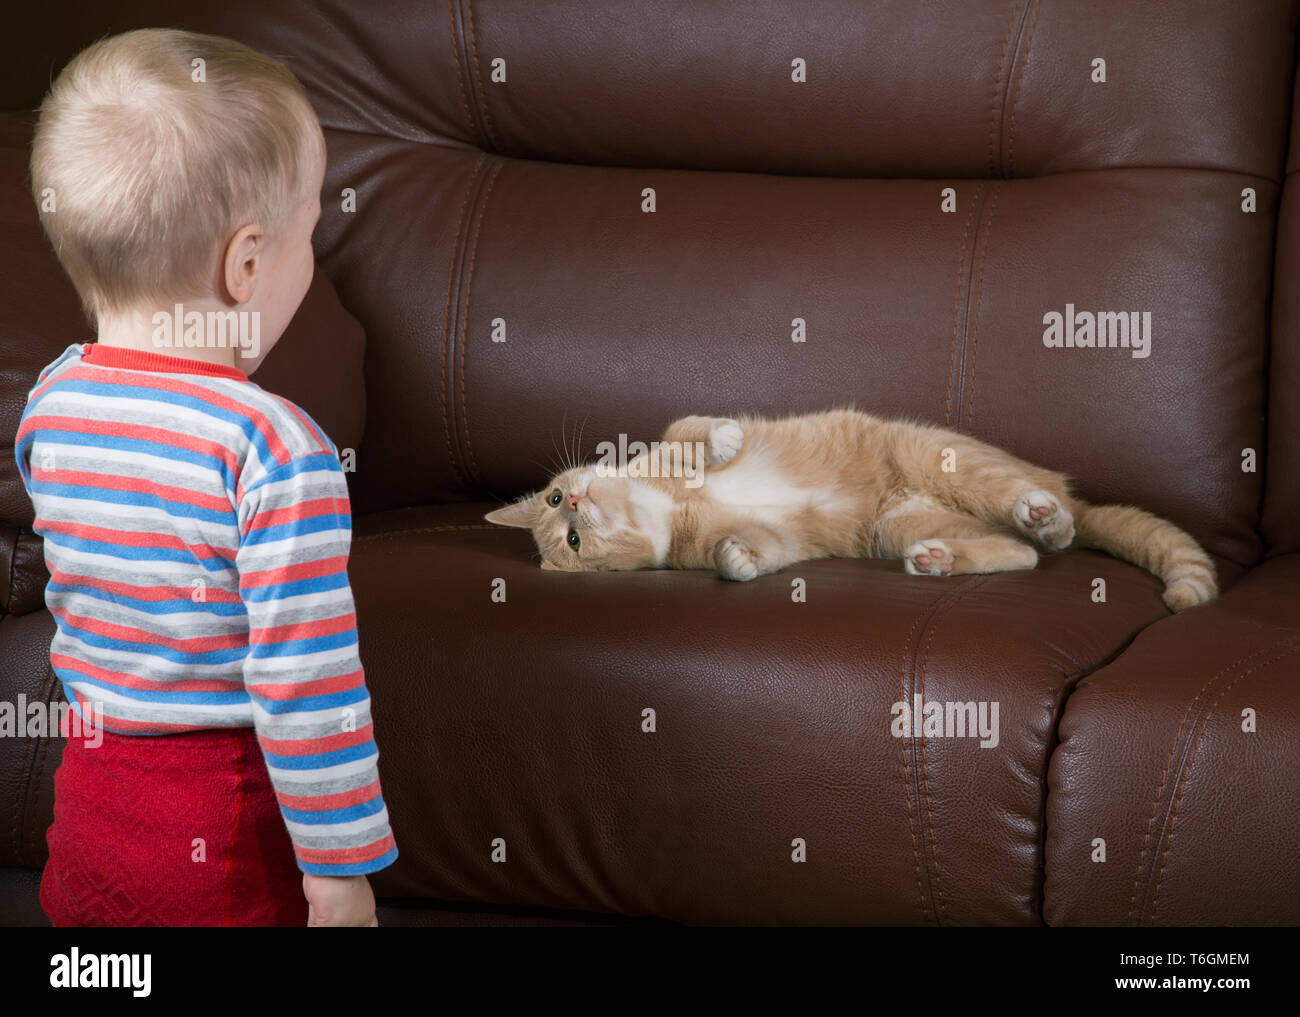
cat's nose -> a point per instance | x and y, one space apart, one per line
572 501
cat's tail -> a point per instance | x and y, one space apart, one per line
1152 543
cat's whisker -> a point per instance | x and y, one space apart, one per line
581 429
564 439
547 468
562 462
572 451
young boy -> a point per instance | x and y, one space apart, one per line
196 527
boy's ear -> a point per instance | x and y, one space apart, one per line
522 513
242 260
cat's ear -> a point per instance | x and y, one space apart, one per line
523 513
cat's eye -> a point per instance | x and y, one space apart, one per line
555 498
574 539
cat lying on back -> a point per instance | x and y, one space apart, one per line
837 484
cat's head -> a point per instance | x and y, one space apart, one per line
584 521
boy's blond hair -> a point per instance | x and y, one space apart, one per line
145 162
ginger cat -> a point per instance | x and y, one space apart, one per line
764 494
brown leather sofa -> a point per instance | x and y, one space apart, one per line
1164 188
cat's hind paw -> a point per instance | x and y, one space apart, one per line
929 558
725 440
735 560
1042 517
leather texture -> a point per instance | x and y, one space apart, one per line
1281 523
482 204
1171 756
27 765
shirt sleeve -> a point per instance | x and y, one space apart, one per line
25 436
311 708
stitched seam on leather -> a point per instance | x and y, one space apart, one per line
957 369
1164 778
908 742
979 302
482 93
460 81
927 818
472 466
1155 804
13 557
937 899
1180 788
903 748
472 78
1289 647
997 90
1020 82
1013 60
448 410
956 300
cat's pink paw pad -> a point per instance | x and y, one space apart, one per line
735 559
1040 515
929 558
725 440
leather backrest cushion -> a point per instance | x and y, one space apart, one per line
955 88
948 88
620 320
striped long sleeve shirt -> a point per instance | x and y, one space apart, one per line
197 531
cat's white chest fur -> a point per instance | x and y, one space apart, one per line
754 484
654 511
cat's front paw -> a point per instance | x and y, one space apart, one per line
735 559
929 558
725 439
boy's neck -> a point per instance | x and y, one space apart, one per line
141 330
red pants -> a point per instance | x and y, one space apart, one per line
179 829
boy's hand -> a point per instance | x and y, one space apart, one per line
338 901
